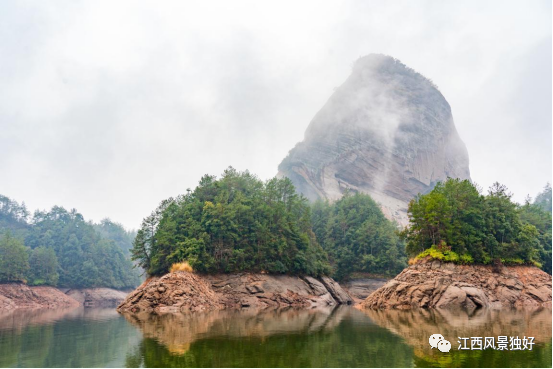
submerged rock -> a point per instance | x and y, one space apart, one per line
386 131
429 284
183 291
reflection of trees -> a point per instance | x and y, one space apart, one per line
342 337
416 326
21 329
64 338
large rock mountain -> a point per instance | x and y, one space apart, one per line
387 131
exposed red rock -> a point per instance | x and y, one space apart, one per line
430 284
183 291
20 296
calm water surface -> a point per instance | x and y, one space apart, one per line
343 337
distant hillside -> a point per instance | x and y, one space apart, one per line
59 248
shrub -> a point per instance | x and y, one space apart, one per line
512 261
444 253
466 259
181 267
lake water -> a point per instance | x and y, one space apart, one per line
343 337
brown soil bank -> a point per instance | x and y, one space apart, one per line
430 284
20 296
183 291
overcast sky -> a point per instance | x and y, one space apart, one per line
111 106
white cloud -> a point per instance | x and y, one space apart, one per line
110 107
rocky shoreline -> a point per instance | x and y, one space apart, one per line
184 292
360 288
14 296
435 284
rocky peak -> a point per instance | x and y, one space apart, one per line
386 131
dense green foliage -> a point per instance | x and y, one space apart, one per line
14 260
114 231
235 223
543 200
358 237
455 221
60 248
13 216
539 215
43 264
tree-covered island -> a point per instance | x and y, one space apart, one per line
238 223
455 222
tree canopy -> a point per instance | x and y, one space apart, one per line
234 223
456 222
358 237
14 259
60 248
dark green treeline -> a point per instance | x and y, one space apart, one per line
59 248
358 237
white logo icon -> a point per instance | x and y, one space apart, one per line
444 346
434 339
438 341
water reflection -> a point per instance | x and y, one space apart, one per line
343 337
416 326
178 331
73 337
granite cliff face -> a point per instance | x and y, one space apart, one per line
387 131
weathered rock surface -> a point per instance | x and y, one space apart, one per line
20 296
97 297
430 284
361 288
182 291
387 131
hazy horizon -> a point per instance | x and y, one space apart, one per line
110 108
